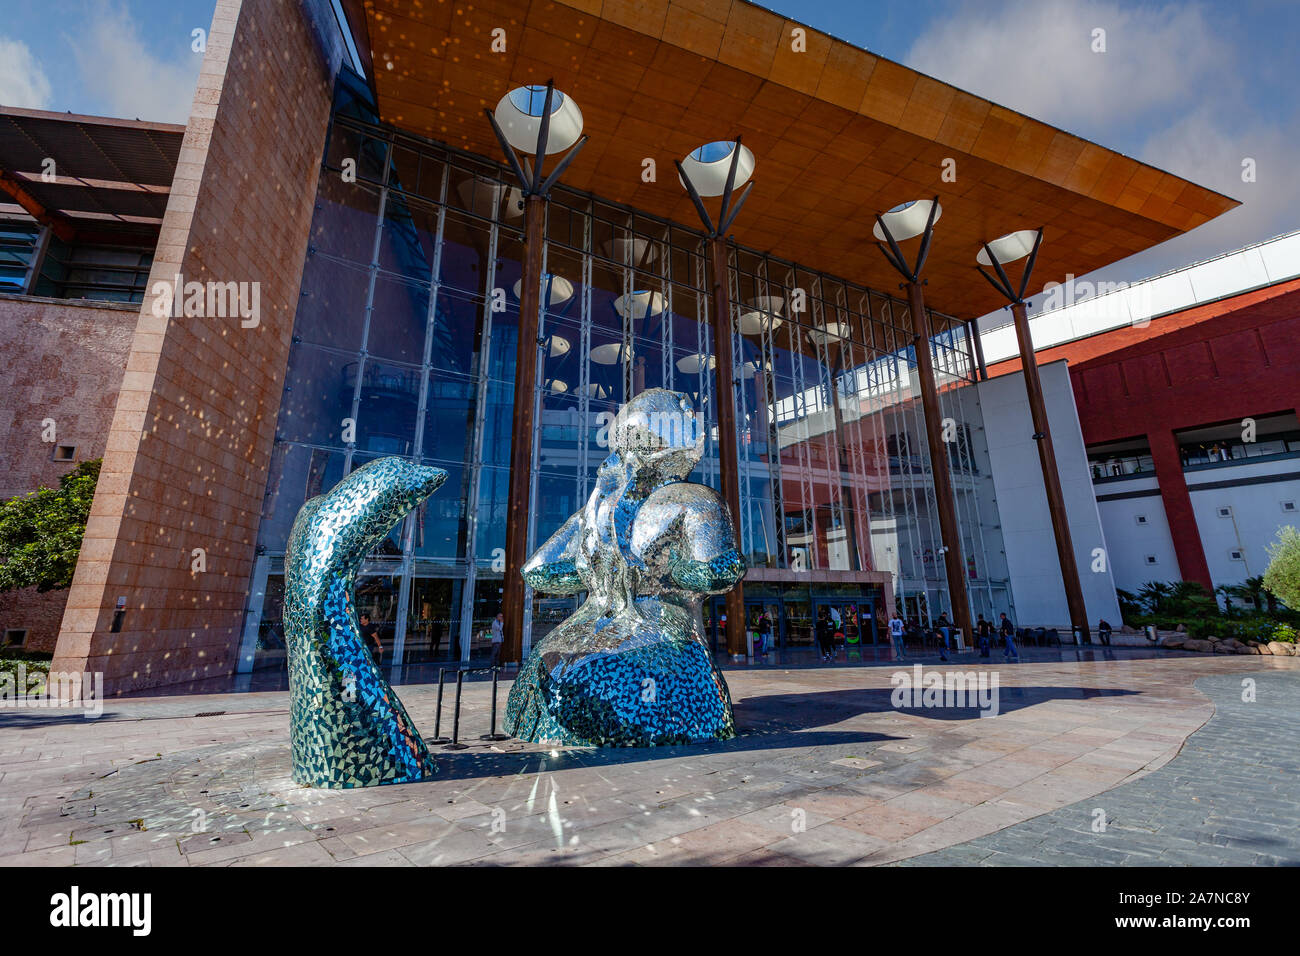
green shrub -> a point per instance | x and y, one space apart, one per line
1284 633
40 532
1283 574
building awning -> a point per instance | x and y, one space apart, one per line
838 133
109 179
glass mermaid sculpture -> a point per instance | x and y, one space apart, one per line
631 666
346 726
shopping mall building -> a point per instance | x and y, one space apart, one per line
373 252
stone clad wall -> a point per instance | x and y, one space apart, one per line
191 436
65 362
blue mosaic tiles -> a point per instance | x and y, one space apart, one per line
346 727
631 666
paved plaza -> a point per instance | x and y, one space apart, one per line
825 771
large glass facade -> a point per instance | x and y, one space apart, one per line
405 343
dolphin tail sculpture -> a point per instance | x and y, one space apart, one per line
347 728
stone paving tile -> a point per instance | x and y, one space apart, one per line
825 771
1229 797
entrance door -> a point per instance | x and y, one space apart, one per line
773 607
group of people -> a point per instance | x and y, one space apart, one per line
941 632
370 634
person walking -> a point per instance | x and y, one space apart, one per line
896 635
764 632
824 634
1103 631
370 636
1008 630
498 637
985 631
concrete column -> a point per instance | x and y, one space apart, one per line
1192 565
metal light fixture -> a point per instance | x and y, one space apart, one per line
903 222
906 221
692 364
763 315
640 304
709 167
1005 250
999 253
611 353
559 289
521 114
716 169
539 121
830 332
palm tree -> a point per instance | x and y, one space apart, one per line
1227 592
1130 605
1259 595
1190 598
1154 594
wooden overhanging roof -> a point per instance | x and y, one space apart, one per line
110 178
838 134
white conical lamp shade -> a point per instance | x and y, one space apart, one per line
1009 248
519 114
764 313
908 220
639 304
708 166
561 289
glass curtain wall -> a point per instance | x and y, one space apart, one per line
405 343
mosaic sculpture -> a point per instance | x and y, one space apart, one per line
631 666
346 726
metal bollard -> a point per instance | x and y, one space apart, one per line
492 734
438 738
455 723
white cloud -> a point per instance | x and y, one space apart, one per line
1037 56
132 77
1170 89
1208 147
22 81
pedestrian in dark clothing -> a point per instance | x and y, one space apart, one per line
985 631
825 634
1103 631
1009 639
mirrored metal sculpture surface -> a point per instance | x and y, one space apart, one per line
631 667
346 726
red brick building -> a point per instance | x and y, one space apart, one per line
1190 414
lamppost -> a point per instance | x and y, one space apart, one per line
904 222
998 254
541 121
716 169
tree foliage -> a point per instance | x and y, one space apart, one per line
40 532
1283 574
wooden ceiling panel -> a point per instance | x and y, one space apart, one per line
838 134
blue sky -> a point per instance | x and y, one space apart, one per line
1191 87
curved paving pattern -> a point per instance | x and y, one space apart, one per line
825 771
1231 797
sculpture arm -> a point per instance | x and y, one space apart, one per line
684 534
553 567
709 577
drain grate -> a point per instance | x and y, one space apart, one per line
210 713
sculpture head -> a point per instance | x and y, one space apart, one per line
658 429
